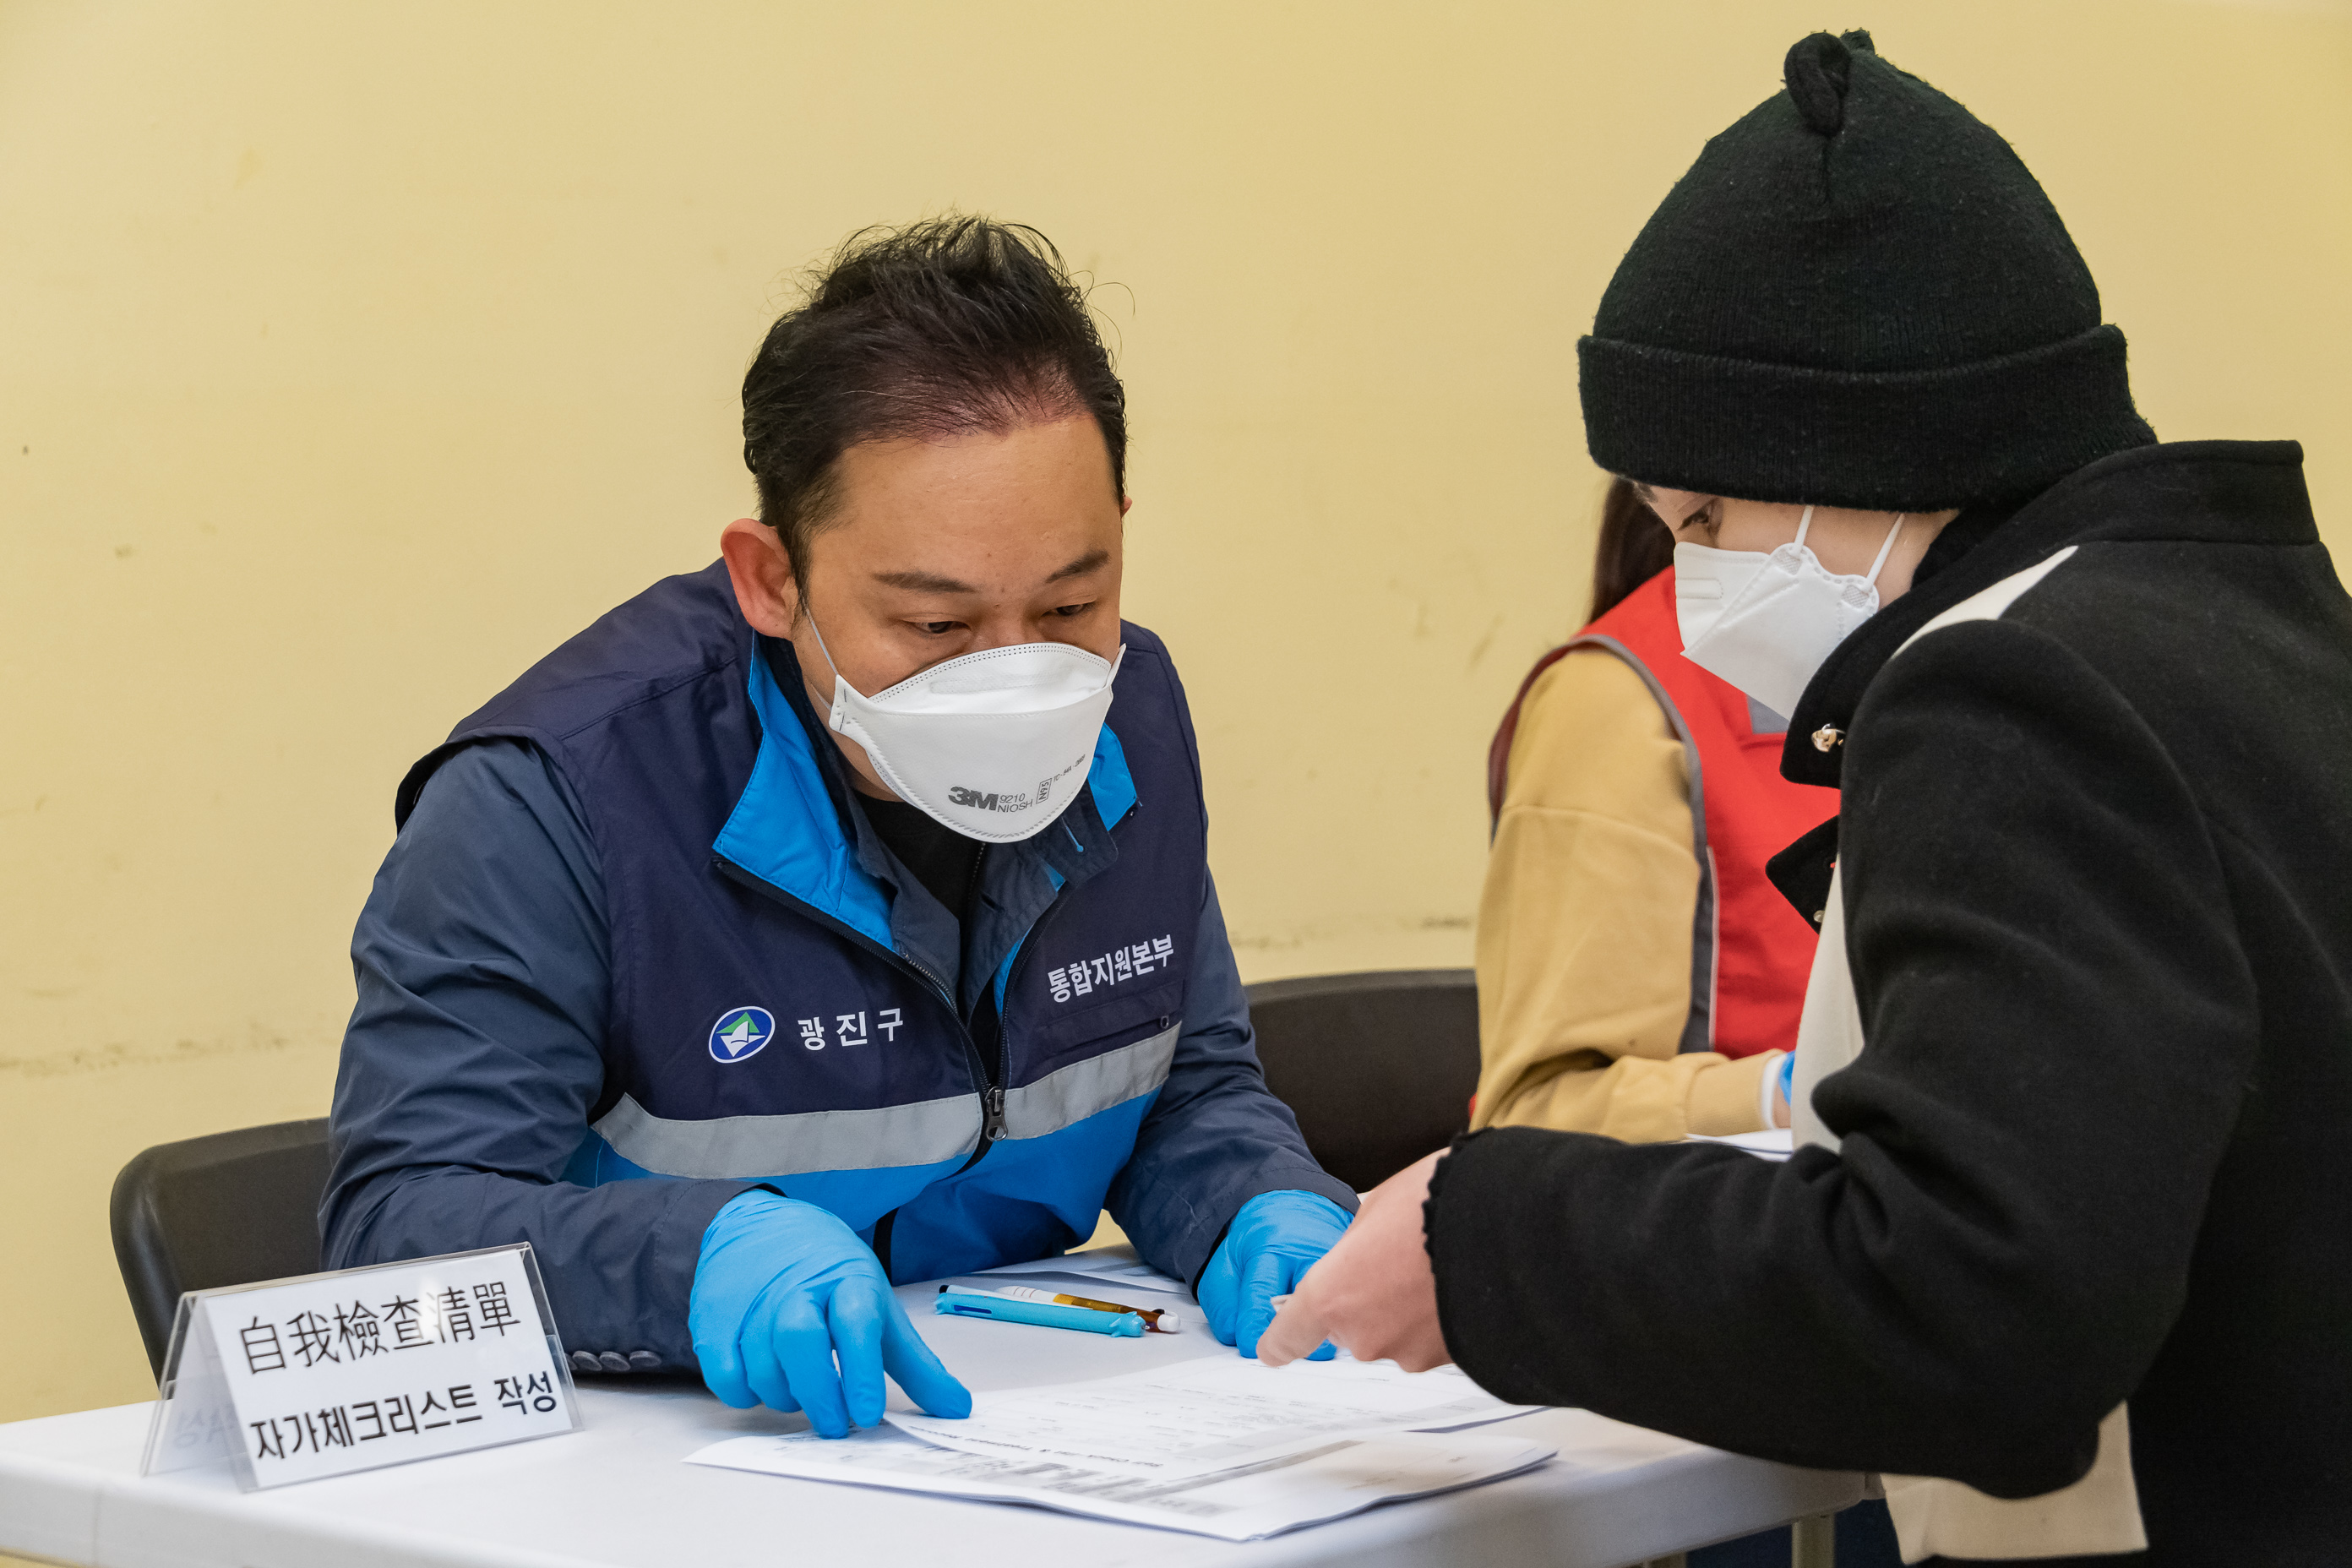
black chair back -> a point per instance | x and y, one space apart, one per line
229 1209
1378 1067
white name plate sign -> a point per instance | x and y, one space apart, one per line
290 1380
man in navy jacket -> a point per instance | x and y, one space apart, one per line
717 979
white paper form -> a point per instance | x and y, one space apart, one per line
1208 1414
1309 1485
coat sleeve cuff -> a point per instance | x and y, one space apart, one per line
677 1254
1732 1096
1482 1201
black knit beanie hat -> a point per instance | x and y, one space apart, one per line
1857 296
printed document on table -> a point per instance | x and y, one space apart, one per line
1217 1446
1303 1484
1207 1414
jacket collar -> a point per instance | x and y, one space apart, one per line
796 826
2242 492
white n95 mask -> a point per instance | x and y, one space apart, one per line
992 744
1766 623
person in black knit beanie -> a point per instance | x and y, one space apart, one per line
1859 296
2060 1251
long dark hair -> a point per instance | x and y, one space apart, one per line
1635 547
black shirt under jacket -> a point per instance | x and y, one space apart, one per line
2098 886
944 861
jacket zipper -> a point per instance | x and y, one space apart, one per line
992 1098
990 1085
993 1101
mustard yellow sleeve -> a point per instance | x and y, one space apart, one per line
1584 927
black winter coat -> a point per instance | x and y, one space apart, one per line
2095 856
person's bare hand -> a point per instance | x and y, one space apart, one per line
1372 1293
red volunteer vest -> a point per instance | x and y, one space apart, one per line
1750 953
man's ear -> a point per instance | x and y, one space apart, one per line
762 575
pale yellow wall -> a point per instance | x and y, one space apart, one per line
353 355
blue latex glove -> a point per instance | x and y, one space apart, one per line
1274 1240
782 1288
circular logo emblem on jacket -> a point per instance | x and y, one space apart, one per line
741 1032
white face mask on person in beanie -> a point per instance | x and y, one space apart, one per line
1765 623
994 745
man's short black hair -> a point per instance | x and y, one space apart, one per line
945 327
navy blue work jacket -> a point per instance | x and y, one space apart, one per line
636 951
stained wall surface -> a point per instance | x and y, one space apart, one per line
350 357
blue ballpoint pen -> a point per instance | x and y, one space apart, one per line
952 1303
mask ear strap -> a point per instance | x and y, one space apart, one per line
837 682
1804 523
1883 551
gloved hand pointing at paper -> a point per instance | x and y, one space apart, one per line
784 1288
1273 1241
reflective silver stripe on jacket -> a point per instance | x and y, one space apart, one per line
923 1132
747 1148
1063 1098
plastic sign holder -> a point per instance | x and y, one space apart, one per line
290 1380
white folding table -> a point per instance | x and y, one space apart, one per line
617 1496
